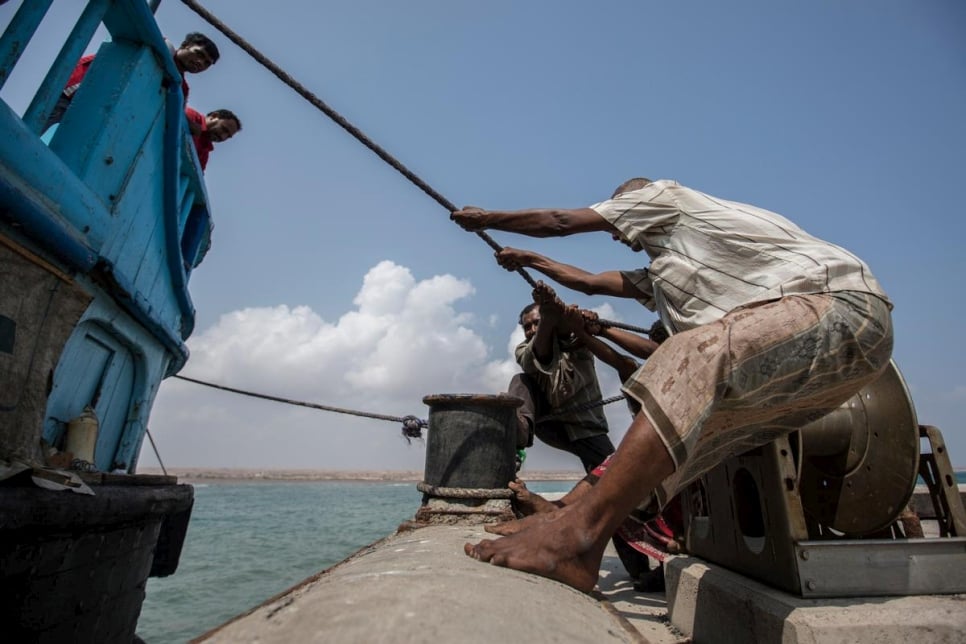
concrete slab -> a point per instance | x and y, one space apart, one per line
712 604
645 612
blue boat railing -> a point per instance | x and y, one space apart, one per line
121 158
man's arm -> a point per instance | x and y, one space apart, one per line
612 283
534 222
551 309
625 365
633 343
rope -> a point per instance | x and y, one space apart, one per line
624 325
581 407
411 424
465 492
156 453
360 136
340 120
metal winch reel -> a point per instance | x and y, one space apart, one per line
770 512
857 466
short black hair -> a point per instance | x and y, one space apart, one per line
529 307
227 115
194 38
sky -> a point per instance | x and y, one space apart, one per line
333 280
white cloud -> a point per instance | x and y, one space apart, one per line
404 339
607 312
384 289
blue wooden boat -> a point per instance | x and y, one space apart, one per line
102 220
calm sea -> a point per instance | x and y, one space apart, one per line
248 541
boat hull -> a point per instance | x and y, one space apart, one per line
75 566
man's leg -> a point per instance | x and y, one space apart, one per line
554 434
569 545
592 450
526 389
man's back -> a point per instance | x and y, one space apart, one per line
711 256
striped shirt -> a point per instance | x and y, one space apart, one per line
710 256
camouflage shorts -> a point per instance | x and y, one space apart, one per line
757 373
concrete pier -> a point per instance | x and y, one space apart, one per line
418 586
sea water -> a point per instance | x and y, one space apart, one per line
248 541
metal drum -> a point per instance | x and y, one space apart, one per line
471 441
858 465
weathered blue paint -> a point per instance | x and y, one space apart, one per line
56 78
116 201
174 116
19 33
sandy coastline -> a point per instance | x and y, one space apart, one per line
190 474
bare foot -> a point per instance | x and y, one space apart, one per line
544 513
528 502
561 548
507 528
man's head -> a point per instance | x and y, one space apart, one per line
221 125
196 54
630 186
530 320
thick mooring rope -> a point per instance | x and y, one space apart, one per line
412 426
581 407
360 136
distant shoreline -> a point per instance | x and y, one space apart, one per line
215 474
207 474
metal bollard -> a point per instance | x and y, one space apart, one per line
469 458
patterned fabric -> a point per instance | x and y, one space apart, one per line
569 379
642 530
758 373
650 538
710 256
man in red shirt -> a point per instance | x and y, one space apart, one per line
206 130
196 54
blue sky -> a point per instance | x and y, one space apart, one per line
334 280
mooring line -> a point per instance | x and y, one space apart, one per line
340 120
360 136
411 424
